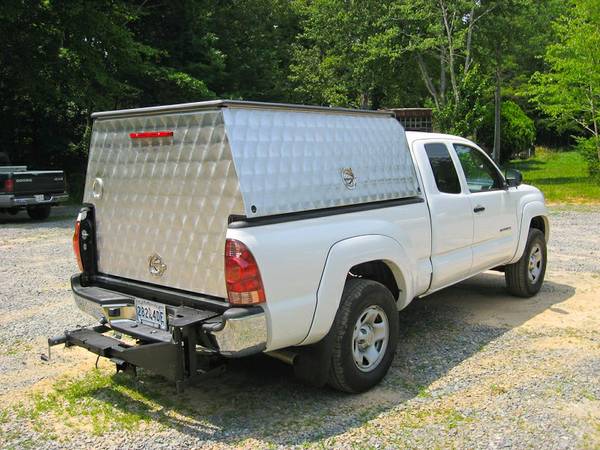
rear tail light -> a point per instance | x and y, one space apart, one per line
76 242
242 276
9 185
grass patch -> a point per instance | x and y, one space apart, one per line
17 348
561 175
449 418
497 389
96 403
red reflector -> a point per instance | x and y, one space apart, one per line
9 185
76 248
151 134
242 276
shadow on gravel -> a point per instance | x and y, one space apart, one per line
60 217
258 398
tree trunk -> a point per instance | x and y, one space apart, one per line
469 40
595 124
497 117
449 27
427 80
364 100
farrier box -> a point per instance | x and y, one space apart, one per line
166 180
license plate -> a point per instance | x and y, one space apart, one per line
151 313
39 197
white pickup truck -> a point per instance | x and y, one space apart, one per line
222 229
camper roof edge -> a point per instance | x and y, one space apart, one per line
215 104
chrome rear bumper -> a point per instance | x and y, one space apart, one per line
12 201
234 332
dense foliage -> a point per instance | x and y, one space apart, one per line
517 132
472 61
569 91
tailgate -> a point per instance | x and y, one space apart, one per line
163 187
39 182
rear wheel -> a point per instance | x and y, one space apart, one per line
39 212
525 277
365 335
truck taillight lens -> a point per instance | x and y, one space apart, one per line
242 276
9 185
76 248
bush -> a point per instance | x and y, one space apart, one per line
517 130
469 115
588 147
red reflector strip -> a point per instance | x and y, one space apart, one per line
150 134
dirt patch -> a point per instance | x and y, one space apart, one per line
567 300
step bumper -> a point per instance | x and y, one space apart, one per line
234 332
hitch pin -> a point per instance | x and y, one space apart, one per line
56 340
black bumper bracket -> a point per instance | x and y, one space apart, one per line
176 360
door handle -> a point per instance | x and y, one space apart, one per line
479 208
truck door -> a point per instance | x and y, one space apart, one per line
451 214
495 215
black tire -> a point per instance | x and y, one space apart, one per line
359 295
519 276
39 212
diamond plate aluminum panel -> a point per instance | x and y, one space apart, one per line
165 202
289 161
166 196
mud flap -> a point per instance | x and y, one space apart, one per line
314 361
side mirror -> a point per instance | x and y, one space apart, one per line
513 177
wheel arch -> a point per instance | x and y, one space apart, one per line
383 271
534 215
375 257
542 224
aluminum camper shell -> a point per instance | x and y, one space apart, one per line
174 193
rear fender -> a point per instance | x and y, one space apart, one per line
342 257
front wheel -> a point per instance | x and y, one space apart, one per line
365 335
525 277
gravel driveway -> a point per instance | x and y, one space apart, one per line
475 368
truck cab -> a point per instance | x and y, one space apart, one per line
477 213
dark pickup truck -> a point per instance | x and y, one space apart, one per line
34 190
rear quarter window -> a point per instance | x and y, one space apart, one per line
444 172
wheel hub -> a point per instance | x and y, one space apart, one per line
366 337
370 338
534 268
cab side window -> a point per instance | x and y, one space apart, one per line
481 175
443 168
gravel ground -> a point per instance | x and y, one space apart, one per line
475 368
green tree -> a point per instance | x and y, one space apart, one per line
569 92
345 54
60 61
518 130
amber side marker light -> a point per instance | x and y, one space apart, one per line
242 275
76 248
151 134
